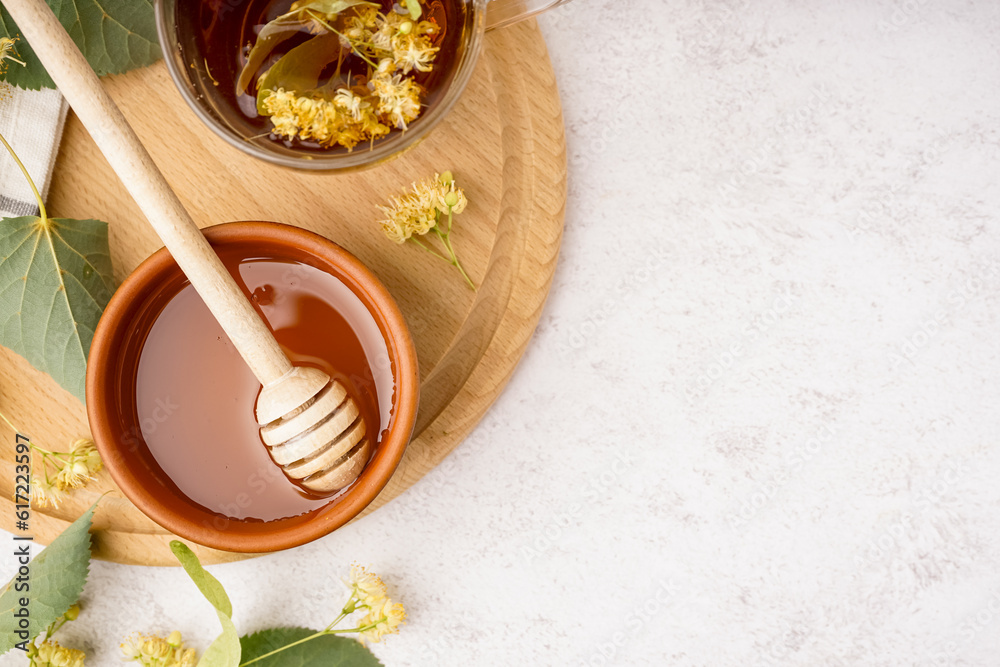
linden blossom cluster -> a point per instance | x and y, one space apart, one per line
50 654
383 616
62 472
58 473
153 651
395 47
427 207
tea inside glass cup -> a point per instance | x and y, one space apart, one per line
297 78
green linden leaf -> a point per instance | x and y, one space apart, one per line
55 280
271 37
299 69
225 650
324 651
284 28
114 35
206 583
55 582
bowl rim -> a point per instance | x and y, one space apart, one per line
286 533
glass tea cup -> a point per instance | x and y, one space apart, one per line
187 65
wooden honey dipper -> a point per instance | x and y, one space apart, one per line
311 425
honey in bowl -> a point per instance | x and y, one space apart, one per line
317 81
194 395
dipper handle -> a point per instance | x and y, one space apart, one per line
144 181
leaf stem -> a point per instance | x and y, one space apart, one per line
328 630
286 646
38 197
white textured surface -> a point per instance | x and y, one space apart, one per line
758 423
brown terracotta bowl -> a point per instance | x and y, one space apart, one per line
111 400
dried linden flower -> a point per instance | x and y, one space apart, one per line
50 654
154 651
424 208
382 615
395 46
44 494
61 472
366 586
398 98
413 52
382 619
347 120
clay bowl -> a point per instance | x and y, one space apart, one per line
111 404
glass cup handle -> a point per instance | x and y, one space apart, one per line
500 13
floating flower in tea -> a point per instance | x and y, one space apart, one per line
346 108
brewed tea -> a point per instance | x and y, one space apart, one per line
316 82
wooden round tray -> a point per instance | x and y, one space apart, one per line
504 142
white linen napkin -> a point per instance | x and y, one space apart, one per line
32 123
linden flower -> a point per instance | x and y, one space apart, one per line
416 212
8 53
366 16
399 98
347 120
50 654
154 651
84 462
413 213
45 494
351 104
60 472
383 619
388 26
450 198
422 210
294 116
366 586
413 52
